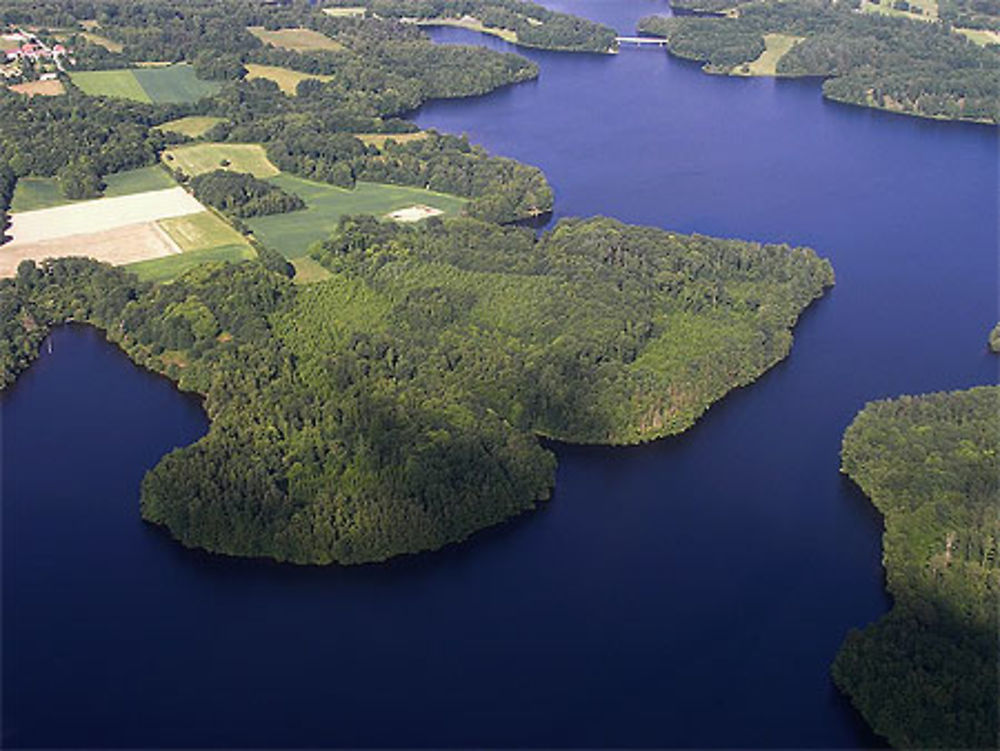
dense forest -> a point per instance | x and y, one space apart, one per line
534 25
394 407
871 60
925 674
242 195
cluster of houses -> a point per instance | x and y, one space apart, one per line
19 45
22 47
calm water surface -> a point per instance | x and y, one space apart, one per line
688 593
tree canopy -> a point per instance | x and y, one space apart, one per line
868 59
394 407
925 675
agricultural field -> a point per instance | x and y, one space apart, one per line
199 238
34 193
198 158
296 40
100 214
169 84
170 267
287 80
53 87
193 126
292 234
118 245
776 46
201 231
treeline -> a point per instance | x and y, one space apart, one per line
502 190
925 674
535 25
392 408
868 59
75 138
8 181
242 195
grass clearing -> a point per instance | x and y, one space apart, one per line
775 48
170 267
982 37
354 11
379 139
291 234
286 78
53 87
309 271
198 158
32 193
472 24
109 44
170 84
202 231
193 126
296 40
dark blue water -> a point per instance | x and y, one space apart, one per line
688 593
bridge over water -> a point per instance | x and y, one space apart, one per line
642 41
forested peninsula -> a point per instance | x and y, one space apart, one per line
395 406
890 62
925 674
519 22
392 399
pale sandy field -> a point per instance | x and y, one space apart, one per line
414 213
120 245
99 215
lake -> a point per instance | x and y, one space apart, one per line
687 593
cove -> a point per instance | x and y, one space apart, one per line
688 593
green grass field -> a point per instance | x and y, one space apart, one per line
43 192
121 84
776 46
286 78
193 126
171 84
198 158
308 270
296 40
202 231
170 267
291 234
203 237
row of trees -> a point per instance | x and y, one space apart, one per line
925 675
868 59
